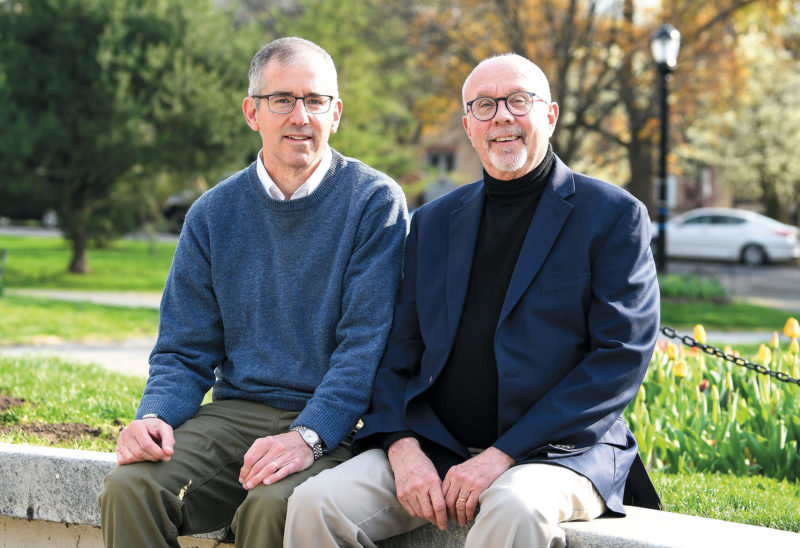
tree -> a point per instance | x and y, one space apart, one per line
597 56
100 98
754 142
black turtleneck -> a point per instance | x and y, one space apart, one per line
464 396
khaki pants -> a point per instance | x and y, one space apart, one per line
150 504
355 504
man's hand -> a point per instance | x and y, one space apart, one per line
464 483
146 439
418 487
272 458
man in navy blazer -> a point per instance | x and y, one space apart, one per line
524 325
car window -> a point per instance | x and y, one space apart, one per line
699 220
727 220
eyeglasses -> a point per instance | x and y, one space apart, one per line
518 103
282 103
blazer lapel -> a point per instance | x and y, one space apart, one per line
464 223
548 220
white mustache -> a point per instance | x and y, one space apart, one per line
506 132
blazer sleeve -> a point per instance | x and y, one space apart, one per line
622 324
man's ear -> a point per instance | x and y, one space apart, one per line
337 107
552 116
249 110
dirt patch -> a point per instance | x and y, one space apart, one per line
59 432
7 402
54 433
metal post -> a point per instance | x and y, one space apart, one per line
663 209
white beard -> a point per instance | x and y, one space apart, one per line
509 161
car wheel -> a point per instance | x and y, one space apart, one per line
753 255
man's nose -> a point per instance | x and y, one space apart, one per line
503 115
299 114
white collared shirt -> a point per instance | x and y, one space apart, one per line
303 190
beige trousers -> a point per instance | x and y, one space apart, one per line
354 504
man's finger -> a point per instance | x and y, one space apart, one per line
439 509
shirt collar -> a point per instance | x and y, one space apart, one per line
303 190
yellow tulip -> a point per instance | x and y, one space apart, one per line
681 369
764 355
793 347
728 349
774 343
672 351
714 404
700 334
792 328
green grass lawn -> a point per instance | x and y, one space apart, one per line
57 392
752 500
723 317
33 320
125 265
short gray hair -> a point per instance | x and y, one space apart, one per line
543 89
287 51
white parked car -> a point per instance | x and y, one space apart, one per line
730 234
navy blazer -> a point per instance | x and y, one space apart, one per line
573 342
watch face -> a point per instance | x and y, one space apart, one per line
310 437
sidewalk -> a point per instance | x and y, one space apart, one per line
147 299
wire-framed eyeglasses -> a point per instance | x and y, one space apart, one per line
283 103
518 103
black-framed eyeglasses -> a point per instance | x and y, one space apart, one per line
282 103
518 103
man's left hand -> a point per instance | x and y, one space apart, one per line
272 458
465 482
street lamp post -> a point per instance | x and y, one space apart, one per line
665 44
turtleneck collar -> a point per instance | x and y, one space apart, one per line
529 183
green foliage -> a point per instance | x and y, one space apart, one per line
760 501
28 320
100 97
126 265
57 391
690 287
695 413
722 316
378 80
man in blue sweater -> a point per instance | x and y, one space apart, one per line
279 298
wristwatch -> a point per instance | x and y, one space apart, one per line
311 438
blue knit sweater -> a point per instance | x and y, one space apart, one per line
286 303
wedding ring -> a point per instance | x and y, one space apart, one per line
275 464
462 499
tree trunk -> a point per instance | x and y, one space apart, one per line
773 205
641 166
76 213
79 264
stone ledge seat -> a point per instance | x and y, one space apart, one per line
48 497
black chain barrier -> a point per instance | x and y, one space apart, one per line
714 351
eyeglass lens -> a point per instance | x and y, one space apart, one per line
519 104
284 104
